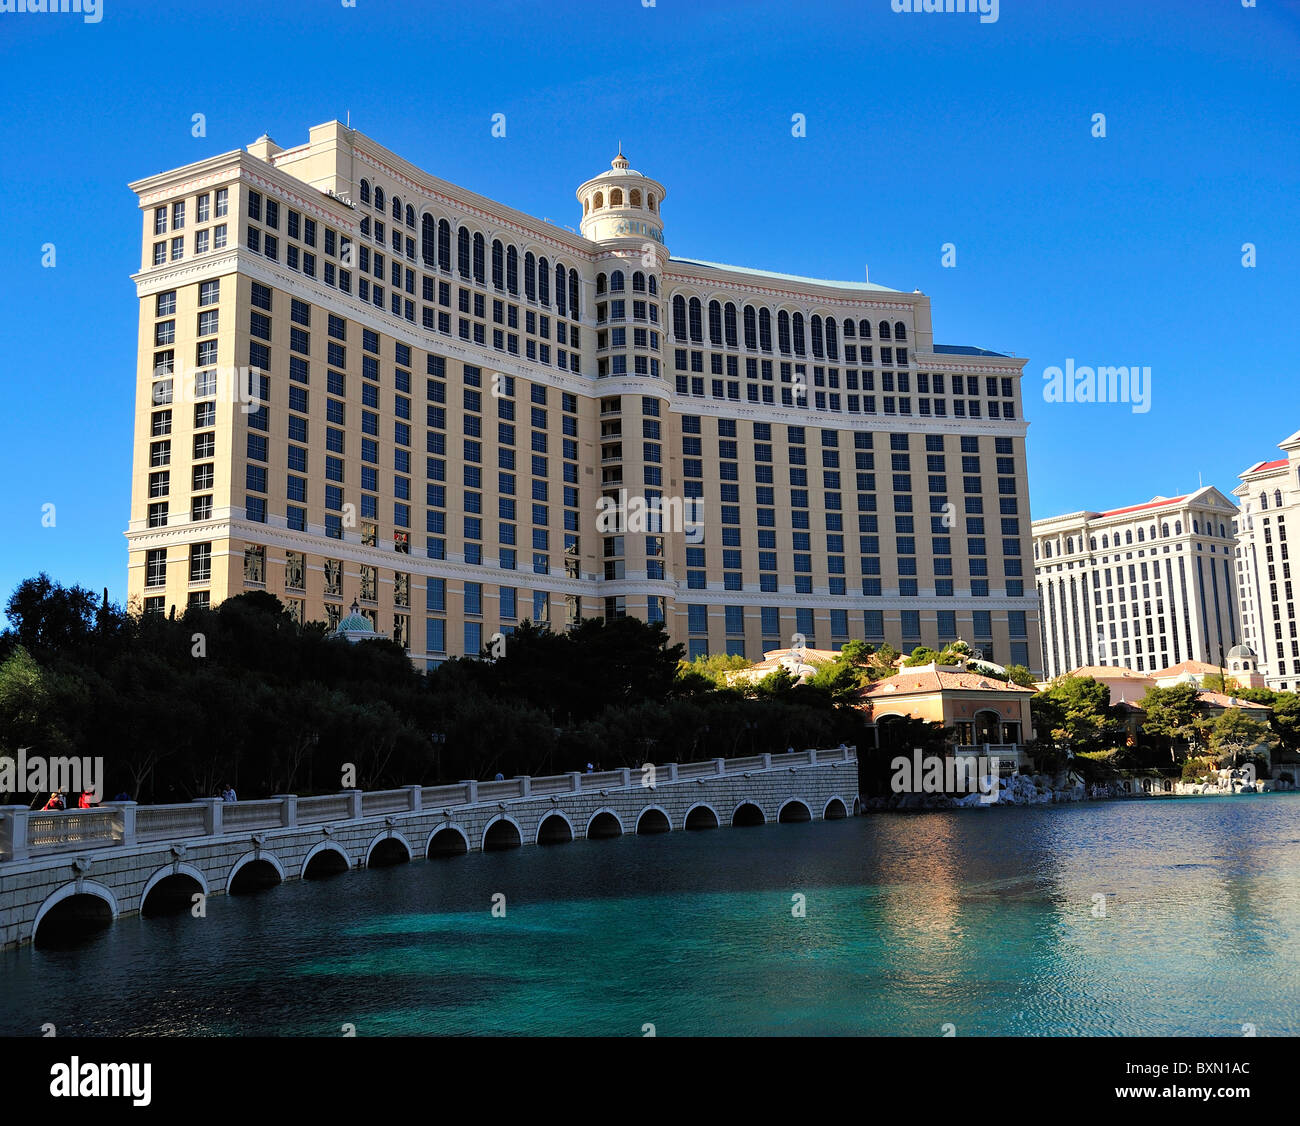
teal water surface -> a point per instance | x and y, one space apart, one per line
986 920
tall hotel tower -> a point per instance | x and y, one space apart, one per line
358 382
1143 587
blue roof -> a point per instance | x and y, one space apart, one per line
785 277
966 350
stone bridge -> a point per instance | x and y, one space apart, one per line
83 868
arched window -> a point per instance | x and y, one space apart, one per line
864 330
444 245
575 312
410 216
480 247
429 241
601 282
1196 527
638 282
817 349
498 264
797 326
900 330
512 270
1178 527
783 332
365 191
561 289
598 202
1092 543
1164 530
1047 549
1128 536
616 281
679 317
616 197
543 281
636 197
462 252
729 324
751 328
832 343
397 208
654 286
1035 551
884 330
1263 500
1141 537
715 323
1277 498
379 199
530 276
1152 532
1069 545
765 329
1223 535
1105 542
650 200
696 320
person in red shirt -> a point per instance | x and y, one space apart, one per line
86 800
55 803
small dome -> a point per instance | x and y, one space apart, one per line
1241 651
356 623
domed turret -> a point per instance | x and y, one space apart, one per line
621 204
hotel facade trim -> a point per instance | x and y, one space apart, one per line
1142 587
359 382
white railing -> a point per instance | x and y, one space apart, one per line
25 833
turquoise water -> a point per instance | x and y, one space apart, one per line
981 919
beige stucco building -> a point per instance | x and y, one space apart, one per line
359 381
979 709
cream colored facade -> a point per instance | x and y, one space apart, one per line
458 411
1270 510
1142 587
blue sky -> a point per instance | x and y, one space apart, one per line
922 129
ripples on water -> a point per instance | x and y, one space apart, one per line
983 919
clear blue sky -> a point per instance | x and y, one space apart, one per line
922 129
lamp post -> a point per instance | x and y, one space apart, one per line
439 740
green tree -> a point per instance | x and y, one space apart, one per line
1019 674
1170 715
921 655
1073 709
856 653
1235 735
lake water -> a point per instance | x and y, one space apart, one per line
981 919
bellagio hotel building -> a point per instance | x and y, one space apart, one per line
360 383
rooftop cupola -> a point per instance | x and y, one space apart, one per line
622 204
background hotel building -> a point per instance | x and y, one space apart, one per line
447 388
1143 587
1270 502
